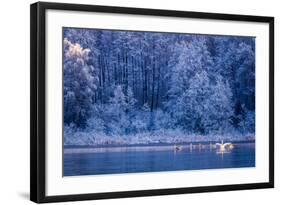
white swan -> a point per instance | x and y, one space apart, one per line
223 146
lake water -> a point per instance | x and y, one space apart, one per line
92 161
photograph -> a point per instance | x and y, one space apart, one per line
150 101
134 102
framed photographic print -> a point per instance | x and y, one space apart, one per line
129 102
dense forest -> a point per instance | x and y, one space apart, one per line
150 87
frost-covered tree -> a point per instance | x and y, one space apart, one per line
219 107
189 83
205 107
79 84
235 61
120 111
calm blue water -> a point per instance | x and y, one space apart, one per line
243 155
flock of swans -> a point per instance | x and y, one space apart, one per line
220 147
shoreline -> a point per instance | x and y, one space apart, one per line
147 147
85 139
155 144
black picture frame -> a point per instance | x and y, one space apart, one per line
38 101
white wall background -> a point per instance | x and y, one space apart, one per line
14 100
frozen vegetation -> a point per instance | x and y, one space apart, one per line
125 88
93 138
